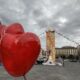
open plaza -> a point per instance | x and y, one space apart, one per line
42 72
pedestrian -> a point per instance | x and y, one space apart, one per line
60 61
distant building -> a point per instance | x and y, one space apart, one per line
67 50
42 54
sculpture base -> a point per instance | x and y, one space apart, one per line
49 62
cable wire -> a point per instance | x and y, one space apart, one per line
64 37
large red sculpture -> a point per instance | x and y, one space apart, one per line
2 29
19 50
15 28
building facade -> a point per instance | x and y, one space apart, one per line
67 50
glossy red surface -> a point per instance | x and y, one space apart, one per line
19 52
2 29
15 28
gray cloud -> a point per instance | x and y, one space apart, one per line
37 15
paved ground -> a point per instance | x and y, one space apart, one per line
71 71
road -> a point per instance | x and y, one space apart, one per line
71 71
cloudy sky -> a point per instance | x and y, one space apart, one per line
37 15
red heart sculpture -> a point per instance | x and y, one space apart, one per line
15 28
19 52
2 29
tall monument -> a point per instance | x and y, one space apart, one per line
50 46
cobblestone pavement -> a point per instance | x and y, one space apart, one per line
71 71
